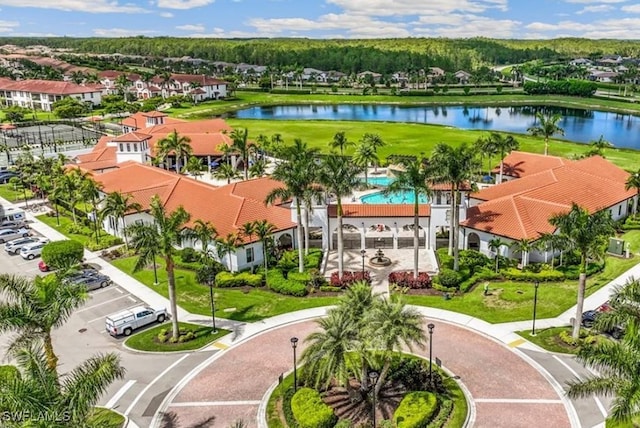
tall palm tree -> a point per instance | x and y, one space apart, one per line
90 190
70 186
340 141
586 234
524 246
227 245
118 205
414 178
455 166
193 167
297 172
633 182
226 172
161 238
258 169
37 390
547 127
34 308
264 230
243 147
494 245
503 146
376 142
364 155
205 233
179 145
551 242
338 175
312 195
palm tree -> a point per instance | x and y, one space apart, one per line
37 390
34 308
598 146
338 175
586 234
615 362
376 142
524 246
118 205
414 178
263 230
503 146
633 182
161 238
70 186
227 151
90 190
174 143
123 84
226 246
297 172
193 167
551 242
226 172
258 169
494 245
456 166
364 155
340 141
205 233
547 127
243 147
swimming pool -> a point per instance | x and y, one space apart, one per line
378 181
404 197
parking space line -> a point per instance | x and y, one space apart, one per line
104 290
132 298
119 290
100 304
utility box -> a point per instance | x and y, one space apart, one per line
616 246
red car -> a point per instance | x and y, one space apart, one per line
43 266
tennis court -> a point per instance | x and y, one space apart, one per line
45 134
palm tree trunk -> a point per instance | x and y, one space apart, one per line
416 236
456 249
501 170
340 241
73 214
124 234
496 262
52 359
383 377
366 175
453 208
299 236
546 146
582 285
172 297
306 230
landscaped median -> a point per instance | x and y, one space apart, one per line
158 339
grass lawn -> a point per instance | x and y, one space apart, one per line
635 423
105 418
513 301
65 222
548 339
146 340
633 238
8 192
250 305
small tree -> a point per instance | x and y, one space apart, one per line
62 254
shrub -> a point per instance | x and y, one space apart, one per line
8 373
415 410
348 278
229 279
59 254
443 415
162 338
278 283
472 260
310 411
330 289
189 255
544 275
289 260
445 260
209 270
413 373
406 279
449 278
300 276
568 339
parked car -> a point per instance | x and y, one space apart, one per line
31 251
14 224
589 319
90 279
42 266
10 234
123 323
14 247
6 175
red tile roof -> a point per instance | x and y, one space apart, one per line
521 208
132 136
379 210
521 164
154 113
52 87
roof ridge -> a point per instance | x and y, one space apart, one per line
235 220
517 212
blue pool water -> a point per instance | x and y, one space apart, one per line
405 197
379 181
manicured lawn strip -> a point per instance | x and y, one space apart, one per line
459 413
635 423
65 222
633 238
513 301
145 340
250 305
547 339
273 411
106 418
8 192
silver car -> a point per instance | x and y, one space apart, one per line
92 281
14 246
7 235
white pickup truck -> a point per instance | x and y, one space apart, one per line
126 321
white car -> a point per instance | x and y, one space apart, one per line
16 245
7 235
31 251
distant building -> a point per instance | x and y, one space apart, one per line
41 94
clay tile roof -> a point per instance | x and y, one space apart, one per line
52 87
197 91
379 210
521 164
134 136
154 113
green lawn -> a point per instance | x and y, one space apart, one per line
8 192
513 301
65 223
250 305
635 423
548 339
147 340
633 238
105 418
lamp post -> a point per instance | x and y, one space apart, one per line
535 306
363 253
294 345
373 377
212 281
431 326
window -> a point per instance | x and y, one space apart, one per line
249 254
121 147
128 147
619 209
139 222
135 147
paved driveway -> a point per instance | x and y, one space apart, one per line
507 391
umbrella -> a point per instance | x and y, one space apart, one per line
214 164
487 178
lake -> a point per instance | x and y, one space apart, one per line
582 126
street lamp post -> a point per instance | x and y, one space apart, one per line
212 282
294 345
363 253
373 377
535 307
431 326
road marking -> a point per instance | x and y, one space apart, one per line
216 403
599 404
99 304
160 376
118 395
517 400
517 343
132 299
219 345
102 291
119 290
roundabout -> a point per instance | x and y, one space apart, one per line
502 387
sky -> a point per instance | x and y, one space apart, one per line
519 19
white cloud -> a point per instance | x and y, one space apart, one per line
89 6
595 1
632 8
166 15
416 7
599 8
122 32
459 25
196 28
6 26
183 4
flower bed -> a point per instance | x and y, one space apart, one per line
407 279
349 278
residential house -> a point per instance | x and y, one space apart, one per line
603 76
462 76
41 94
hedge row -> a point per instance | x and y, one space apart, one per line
278 283
416 410
310 411
578 88
289 260
230 279
65 253
406 279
